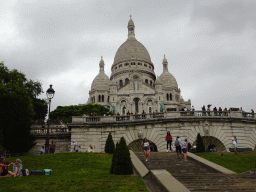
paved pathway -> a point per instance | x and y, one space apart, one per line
197 176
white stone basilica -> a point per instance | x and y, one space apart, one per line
133 85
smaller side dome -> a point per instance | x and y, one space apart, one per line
101 81
158 82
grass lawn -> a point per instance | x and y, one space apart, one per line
242 162
71 172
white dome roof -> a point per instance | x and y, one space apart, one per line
132 49
168 80
101 82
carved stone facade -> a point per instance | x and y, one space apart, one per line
133 85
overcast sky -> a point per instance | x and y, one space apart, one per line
210 45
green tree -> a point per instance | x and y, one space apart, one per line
123 162
66 112
110 146
17 110
200 147
113 160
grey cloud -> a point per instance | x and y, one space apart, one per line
232 16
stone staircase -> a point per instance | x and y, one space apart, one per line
197 176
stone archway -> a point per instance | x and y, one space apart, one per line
219 145
135 146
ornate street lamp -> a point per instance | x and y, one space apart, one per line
50 94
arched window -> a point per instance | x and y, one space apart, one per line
99 98
108 99
120 65
126 64
151 83
121 83
145 65
167 97
126 80
102 98
139 63
170 96
146 81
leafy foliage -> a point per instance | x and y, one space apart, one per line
123 162
18 107
66 112
110 146
200 147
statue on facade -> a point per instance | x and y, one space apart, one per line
113 108
161 107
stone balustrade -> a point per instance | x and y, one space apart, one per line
53 129
175 114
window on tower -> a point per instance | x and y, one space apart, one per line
121 83
126 80
146 81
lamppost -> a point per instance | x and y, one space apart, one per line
50 94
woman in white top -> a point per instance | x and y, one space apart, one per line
145 146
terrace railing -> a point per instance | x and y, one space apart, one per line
164 115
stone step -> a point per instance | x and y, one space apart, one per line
197 176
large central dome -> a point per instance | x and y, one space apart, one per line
132 49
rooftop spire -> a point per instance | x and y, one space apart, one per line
165 64
101 64
131 28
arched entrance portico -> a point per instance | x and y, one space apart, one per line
219 146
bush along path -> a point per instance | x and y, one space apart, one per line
197 176
121 162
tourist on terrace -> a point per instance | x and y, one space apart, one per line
131 113
143 114
192 109
203 109
168 138
17 167
184 148
209 110
177 144
128 113
252 112
145 146
215 111
42 151
220 111
79 149
225 111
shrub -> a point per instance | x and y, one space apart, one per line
123 162
113 160
110 146
200 147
